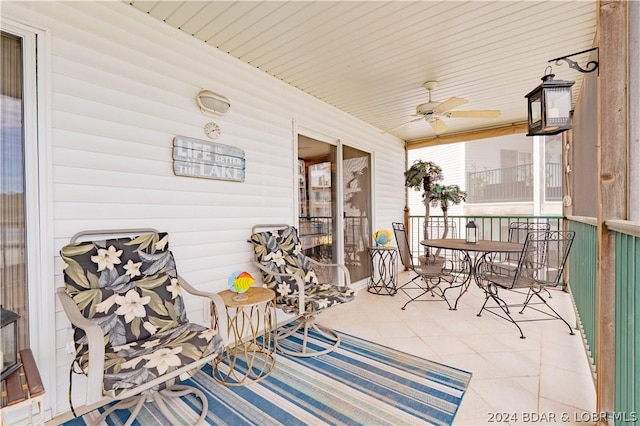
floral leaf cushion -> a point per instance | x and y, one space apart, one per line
281 251
135 363
321 297
129 287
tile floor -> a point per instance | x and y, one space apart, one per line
543 379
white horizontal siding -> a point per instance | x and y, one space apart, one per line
123 85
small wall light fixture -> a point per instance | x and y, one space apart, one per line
212 104
471 233
549 105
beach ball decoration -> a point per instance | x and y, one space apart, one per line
240 282
382 237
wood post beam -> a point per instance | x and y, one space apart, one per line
612 152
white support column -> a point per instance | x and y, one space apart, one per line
538 174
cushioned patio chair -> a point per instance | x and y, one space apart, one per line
540 266
133 340
290 273
427 277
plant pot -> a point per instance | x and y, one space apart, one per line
432 261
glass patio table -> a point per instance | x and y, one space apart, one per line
471 255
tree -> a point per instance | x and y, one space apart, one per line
446 195
421 176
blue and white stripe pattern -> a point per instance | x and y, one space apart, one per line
359 383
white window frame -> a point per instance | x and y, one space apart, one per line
38 206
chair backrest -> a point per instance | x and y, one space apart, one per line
518 230
518 234
543 258
128 285
280 250
436 225
404 250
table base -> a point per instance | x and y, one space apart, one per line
383 278
244 365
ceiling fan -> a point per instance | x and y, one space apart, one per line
432 112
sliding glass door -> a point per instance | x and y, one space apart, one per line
13 232
356 179
334 205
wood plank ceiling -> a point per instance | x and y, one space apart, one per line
371 58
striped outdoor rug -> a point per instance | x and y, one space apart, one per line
360 383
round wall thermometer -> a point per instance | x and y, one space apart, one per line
212 130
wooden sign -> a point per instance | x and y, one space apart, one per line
210 160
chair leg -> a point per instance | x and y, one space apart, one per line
427 288
175 391
305 323
491 292
533 292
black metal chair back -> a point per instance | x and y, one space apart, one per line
404 249
543 258
518 234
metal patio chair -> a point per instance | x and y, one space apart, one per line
428 276
540 266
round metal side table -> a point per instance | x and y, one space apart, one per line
251 355
384 271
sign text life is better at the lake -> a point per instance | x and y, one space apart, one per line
203 159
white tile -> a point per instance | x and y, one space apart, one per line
567 387
445 345
547 374
505 395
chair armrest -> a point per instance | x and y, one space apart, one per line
341 267
299 281
95 343
218 317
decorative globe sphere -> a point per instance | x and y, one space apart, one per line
382 237
240 282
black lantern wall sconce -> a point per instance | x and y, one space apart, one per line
9 342
549 104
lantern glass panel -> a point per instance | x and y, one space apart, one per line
535 110
9 351
558 105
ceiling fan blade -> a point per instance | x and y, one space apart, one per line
483 113
404 124
450 103
438 125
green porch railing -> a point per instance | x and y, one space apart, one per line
627 400
582 279
489 227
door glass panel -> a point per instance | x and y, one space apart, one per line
13 291
317 202
356 175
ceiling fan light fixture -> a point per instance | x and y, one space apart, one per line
431 112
